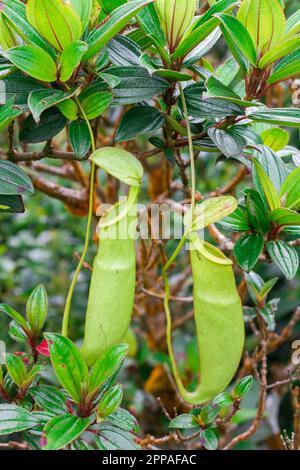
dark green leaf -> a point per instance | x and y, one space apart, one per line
80 138
229 144
248 249
120 17
136 85
111 438
237 221
52 122
40 100
123 51
14 315
285 257
289 117
137 121
14 180
14 419
149 21
69 367
49 399
11 204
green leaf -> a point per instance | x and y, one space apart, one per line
265 21
15 12
14 180
209 413
8 114
96 103
248 249
136 85
279 51
110 401
267 186
216 89
37 309
51 123
49 399
256 211
209 439
29 58
237 221
55 20
139 120
83 9
273 166
71 58
62 430
107 364
243 387
80 138
16 369
17 333
275 138
268 286
124 420
69 109
40 100
184 421
268 314
119 18
211 211
123 51
287 67
14 315
120 164
111 438
285 217
293 24
69 367
289 117
14 419
228 143
285 257
149 21
240 36
290 190
11 204
195 37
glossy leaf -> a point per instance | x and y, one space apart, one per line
236 222
14 419
37 309
69 367
149 21
83 9
110 401
29 58
240 36
184 421
243 387
123 51
95 104
16 369
107 364
290 190
111 438
116 22
227 142
124 420
80 138
40 100
285 217
7 114
55 20
267 186
285 257
62 430
136 85
14 180
71 58
289 117
281 50
14 315
139 120
248 249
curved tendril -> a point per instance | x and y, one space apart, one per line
65 326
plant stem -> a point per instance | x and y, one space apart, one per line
65 325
